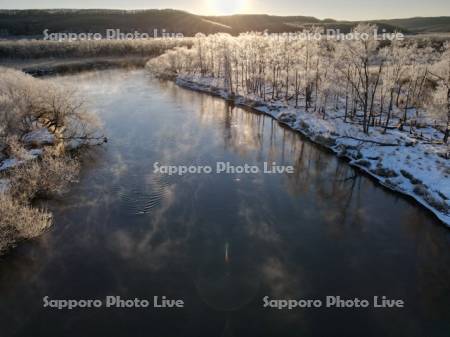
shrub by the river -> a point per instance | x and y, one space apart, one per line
19 222
46 176
40 126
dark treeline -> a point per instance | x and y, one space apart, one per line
34 49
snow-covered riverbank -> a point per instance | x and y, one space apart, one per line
399 161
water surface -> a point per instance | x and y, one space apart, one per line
221 242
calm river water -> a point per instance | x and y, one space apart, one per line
221 242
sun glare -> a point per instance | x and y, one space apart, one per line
226 7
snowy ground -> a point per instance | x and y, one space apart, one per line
396 159
9 163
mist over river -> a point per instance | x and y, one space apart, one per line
220 243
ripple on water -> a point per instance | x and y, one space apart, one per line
141 197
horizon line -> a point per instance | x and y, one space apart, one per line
215 15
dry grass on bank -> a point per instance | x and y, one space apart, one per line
40 125
19 222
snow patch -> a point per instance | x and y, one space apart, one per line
10 163
39 137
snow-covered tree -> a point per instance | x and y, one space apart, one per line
441 72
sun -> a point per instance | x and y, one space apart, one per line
226 7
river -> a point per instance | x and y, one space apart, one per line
221 242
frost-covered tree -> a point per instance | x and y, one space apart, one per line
362 55
27 103
373 84
441 72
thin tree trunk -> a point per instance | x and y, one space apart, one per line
391 102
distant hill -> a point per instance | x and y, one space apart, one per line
34 22
439 24
15 23
260 22
277 24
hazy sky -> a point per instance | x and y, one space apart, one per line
337 9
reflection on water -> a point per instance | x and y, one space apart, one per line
221 242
